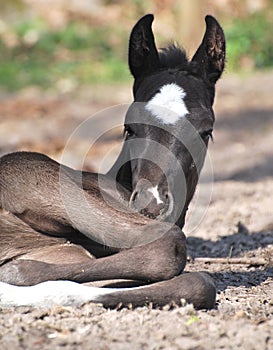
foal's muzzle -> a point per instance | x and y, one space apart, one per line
151 201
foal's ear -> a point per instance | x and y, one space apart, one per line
211 54
143 55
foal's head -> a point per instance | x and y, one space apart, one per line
168 126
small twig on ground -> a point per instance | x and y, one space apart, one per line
235 261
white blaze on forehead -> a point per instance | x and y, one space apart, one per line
155 193
168 105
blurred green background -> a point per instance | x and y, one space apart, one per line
65 44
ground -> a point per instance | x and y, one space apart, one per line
238 223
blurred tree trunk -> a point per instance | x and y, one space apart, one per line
190 23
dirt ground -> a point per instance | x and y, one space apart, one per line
238 223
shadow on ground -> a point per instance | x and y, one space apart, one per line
233 245
253 173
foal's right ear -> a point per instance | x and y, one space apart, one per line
143 55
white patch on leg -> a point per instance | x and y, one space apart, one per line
53 293
155 193
50 293
168 105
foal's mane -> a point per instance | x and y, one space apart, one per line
173 56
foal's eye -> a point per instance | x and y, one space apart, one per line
207 134
128 132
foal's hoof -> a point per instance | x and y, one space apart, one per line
195 288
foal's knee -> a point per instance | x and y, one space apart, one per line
166 257
197 288
175 252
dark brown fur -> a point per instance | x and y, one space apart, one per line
41 241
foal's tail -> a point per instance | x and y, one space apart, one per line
195 288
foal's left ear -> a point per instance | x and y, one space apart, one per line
211 54
143 55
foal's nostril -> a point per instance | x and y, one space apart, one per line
134 196
166 201
168 205
133 200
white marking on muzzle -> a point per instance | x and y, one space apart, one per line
155 193
168 105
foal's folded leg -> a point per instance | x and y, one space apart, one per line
158 260
196 288
161 259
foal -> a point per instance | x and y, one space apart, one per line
61 224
